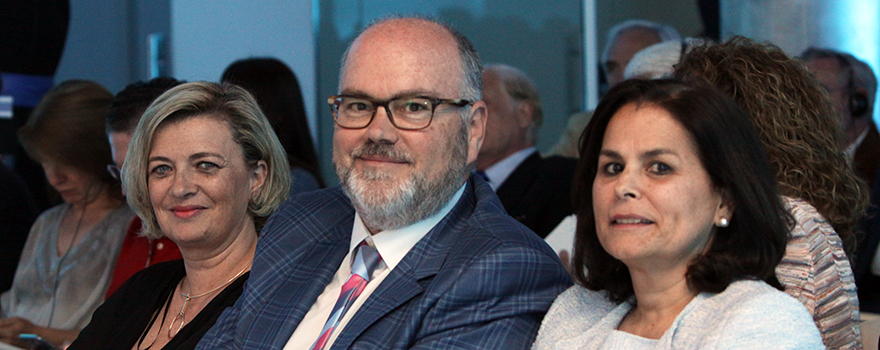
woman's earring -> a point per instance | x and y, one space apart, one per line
723 222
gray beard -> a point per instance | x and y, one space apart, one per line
410 201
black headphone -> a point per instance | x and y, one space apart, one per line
858 101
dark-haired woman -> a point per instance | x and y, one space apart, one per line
680 228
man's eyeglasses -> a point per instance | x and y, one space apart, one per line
405 113
114 171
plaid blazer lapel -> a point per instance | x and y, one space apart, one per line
299 257
406 281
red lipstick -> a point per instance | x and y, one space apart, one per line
186 212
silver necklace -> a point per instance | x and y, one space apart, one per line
188 297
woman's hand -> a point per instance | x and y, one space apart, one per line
11 327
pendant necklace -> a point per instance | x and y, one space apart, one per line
188 297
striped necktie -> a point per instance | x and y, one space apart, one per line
366 261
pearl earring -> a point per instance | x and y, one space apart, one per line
723 222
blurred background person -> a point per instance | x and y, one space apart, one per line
204 170
137 251
277 91
679 231
852 86
67 261
535 190
800 132
624 40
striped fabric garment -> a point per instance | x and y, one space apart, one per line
815 271
365 262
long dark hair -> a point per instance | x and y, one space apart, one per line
277 91
730 151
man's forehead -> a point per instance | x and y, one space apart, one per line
825 68
402 56
634 40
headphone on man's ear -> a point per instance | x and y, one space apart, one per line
858 104
858 101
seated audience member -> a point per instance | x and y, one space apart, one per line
204 169
126 109
624 40
68 259
17 214
533 189
654 62
277 91
795 119
430 257
679 230
852 86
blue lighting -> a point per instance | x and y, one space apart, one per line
852 26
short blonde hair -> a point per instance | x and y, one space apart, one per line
249 127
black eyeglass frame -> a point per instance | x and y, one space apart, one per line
335 100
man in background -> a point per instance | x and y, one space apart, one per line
534 190
852 87
126 109
624 41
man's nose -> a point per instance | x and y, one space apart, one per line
381 130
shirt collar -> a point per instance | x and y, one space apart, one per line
394 244
500 171
850 151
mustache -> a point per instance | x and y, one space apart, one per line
382 150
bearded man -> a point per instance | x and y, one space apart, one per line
412 251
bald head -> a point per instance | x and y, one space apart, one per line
628 38
447 46
514 114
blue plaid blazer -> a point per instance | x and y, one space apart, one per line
477 280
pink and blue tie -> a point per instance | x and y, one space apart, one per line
366 260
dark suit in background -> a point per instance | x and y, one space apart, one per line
866 159
866 162
538 192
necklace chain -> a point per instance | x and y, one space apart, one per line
188 297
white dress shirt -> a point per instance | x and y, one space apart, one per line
499 172
392 245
